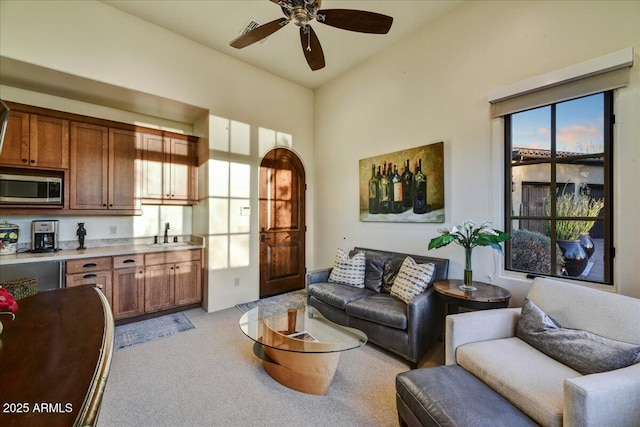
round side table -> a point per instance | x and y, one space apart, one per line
485 297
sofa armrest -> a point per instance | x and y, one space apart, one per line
424 323
318 276
478 326
607 398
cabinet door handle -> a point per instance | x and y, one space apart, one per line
128 261
91 264
24 160
89 276
33 161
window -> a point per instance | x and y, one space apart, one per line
558 198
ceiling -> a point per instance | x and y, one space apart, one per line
214 23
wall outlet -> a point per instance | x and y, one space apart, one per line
113 230
236 281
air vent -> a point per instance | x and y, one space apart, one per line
251 25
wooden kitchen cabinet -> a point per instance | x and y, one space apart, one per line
159 292
36 141
104 168
188 278
169 170
91 271
183 269
100 279
128 286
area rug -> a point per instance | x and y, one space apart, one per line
151 329
276 304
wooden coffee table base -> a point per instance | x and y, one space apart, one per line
309 373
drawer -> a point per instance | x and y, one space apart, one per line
88 264
124 261
97 278
169 257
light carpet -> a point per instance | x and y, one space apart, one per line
210 377
153 329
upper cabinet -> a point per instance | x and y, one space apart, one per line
104 171
169 170
36 141
109 168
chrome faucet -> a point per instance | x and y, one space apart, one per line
166 232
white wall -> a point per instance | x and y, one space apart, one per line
433 87
92 40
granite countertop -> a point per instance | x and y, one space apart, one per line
68 254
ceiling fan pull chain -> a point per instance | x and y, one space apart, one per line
308 38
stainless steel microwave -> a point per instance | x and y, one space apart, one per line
30 190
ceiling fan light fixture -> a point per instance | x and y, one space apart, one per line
302 12
300 17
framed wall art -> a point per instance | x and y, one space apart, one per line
404 186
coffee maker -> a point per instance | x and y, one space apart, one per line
44 236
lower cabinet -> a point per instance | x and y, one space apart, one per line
159 287
138 284
93 271
128 286
174 278
188 278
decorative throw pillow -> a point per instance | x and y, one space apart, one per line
583 351
412 279
348 271
390 272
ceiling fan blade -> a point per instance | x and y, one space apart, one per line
311 47
355 20
258 33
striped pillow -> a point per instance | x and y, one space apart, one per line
412 280
348 271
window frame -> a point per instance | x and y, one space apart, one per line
553 162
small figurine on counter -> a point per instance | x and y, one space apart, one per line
81 233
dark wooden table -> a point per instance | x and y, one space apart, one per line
55 358
485 297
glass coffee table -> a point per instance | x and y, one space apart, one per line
299 347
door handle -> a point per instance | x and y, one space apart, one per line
264 238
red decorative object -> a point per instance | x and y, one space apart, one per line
7 302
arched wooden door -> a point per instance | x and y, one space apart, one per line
282 223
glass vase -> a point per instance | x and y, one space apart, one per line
467 285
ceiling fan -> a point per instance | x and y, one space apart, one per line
302 12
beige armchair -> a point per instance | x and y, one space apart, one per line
552 393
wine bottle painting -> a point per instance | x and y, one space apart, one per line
404 186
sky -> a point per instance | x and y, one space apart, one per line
579 126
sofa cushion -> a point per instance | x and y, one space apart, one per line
374 268
585 352
337 295
391 269
529 379
380 308
412 280
348 271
